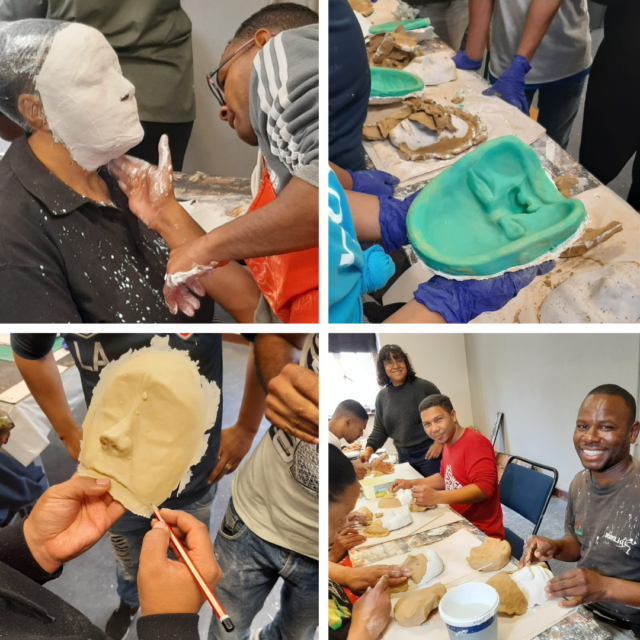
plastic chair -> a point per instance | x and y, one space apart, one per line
527 492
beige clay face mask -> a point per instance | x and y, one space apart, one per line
146 425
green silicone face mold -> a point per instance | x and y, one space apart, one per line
393 83
493 210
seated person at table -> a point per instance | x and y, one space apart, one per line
72 251
602 523
367 618
468 478
348 423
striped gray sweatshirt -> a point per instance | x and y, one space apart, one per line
284 97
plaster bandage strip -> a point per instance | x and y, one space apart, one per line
88 104
147 425
183 277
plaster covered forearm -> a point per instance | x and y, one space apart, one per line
541 13
470 494
45 384
479 20
365 213
288 224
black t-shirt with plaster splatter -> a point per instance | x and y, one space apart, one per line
65 258
606 522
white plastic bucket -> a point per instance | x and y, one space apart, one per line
470 612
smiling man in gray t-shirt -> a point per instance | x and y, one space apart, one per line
536 46
602 524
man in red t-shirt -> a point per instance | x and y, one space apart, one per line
468 478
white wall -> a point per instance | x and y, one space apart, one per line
539 381
441 359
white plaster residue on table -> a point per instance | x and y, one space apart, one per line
211 212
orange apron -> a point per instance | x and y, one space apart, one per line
289 281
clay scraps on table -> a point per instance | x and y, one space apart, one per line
591 238
393 50
457 99
376 530
564 184
365 7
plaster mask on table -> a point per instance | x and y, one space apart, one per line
146 425
89 106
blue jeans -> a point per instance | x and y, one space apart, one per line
418 461
558 104
126 537
250 567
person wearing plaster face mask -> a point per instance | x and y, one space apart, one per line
278 112
68 520
356 217
602 523
72 251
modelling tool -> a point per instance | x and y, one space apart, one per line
221 614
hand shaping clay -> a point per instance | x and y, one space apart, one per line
89 106
389 502
146 425
392 85
493 210
414 506
532 580
414 609
605 295
366 512
376 530
512 600
417 565
397 518
433 69
491 555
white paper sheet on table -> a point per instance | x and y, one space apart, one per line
501 119
454 550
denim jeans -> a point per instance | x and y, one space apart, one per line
418 461
126 537
449 19
250 568
558 105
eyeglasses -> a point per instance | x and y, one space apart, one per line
390 363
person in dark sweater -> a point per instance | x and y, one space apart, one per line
68 520
397 415
602 523
609 143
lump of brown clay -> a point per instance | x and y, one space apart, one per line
367 513
564 184
491 555
381 466
512 600
414 609
376 530
399 588
414 506
389 502
392 50
365 7
417 565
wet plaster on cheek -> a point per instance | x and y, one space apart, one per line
83 95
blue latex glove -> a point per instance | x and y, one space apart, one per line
462 301
510 85
375 183
463 61
393 221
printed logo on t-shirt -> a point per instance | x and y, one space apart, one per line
577 529
621 543
449 480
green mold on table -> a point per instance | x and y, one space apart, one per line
493 210
393 83
389 27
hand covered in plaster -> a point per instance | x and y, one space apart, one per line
375 183
345 540
149 188
292 402
425 496
510 85
538 549
371 612
460 301
69 519
434 451
580 585
235 443
393 221
167 586
463 61
362 578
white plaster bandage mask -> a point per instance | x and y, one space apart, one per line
146 425
88 104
